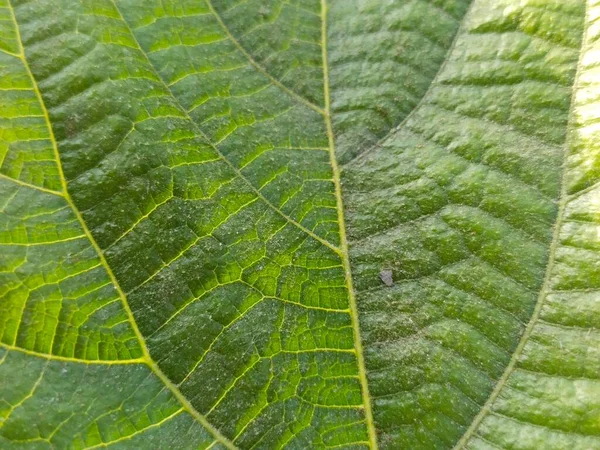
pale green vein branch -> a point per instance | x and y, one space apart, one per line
186 404
31 186
343 240
190 408
258 67
37 244
131 436
72 360
545 289
235 381
346 445
30 394
9 53
584 191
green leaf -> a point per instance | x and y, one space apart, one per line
299 224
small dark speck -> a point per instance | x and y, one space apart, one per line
386 277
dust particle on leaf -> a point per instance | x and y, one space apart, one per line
386 277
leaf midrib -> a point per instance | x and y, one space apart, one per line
362 372
343 250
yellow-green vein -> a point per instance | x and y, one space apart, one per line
545 288
148 360
222 156
258 67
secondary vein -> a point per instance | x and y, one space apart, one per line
221 155
256 65
146 354
545 288
73 360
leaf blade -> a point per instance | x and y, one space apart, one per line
549 364
202 198
103 417
438 204
304 261
86 323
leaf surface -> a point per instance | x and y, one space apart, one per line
299 224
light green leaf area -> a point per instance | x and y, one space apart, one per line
202 201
